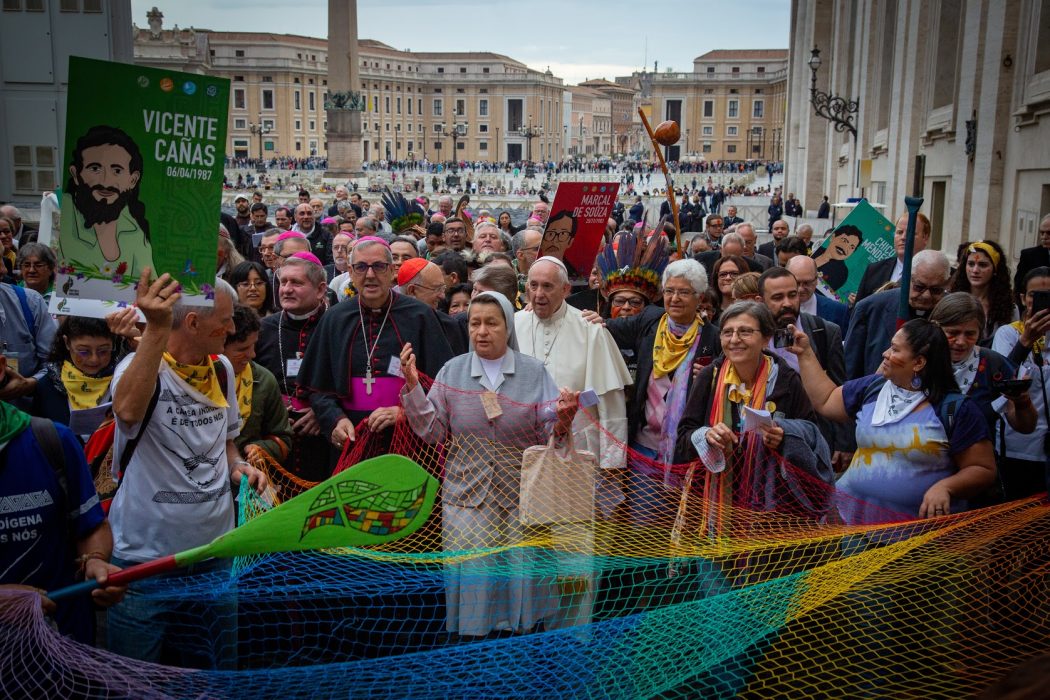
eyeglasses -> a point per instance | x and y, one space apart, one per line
633 302
680 293
808 283
440 289
742 333
340 248
376 267
100 353
559 236
921 289
34 265
727 275
250 284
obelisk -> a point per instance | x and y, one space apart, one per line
344 85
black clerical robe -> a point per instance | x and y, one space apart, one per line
336 370
281 347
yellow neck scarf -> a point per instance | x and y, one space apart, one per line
83 391
1040 342
731 389
201 377
669 350
245 382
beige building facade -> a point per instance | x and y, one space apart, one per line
967 84
590 123
732 105
419 105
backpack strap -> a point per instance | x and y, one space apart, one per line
130 445
46 435
946 412
27 313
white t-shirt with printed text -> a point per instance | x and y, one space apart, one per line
176 489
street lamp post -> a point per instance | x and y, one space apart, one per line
455 132
260 128
838 110
530 132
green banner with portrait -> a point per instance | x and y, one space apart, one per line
860 239
142 183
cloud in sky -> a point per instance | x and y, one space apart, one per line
578 40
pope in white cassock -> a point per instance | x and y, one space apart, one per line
578 355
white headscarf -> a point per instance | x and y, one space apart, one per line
508 316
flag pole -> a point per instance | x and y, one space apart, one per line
913 204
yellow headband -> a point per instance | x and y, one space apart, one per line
988 250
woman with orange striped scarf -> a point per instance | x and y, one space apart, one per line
712 427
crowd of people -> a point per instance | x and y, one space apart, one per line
336 318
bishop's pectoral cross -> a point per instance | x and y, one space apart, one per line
368 381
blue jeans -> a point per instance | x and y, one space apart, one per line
160 624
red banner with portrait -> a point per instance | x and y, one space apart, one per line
576 225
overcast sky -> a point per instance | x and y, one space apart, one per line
578 40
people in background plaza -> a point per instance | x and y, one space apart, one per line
880 272
1024 344
873 322
923 449
984 274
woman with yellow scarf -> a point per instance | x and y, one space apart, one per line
81 367
666 342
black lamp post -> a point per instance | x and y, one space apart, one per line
530 132
260 128
838 110
455 132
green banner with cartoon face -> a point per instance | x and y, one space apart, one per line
862 238
142 183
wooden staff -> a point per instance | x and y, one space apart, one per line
667 180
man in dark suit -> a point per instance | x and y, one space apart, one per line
780 231
1037 256
874 320
780 293
731 219
804 269
889 270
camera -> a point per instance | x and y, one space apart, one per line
783 338
1011 387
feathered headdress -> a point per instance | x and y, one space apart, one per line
403 214
631 263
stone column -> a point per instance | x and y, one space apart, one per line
344 76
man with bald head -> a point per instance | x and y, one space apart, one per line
779 231
804 268
425 281
880 272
